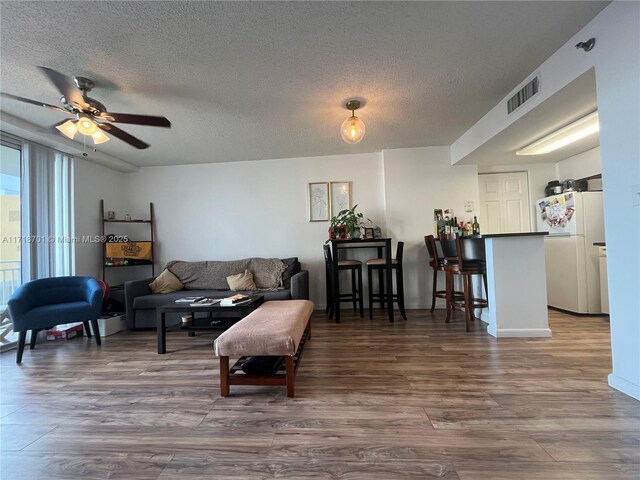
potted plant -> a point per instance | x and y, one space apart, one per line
346 220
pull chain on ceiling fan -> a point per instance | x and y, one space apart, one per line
92 118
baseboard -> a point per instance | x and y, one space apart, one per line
519 332
624 386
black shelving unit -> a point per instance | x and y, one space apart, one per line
105 223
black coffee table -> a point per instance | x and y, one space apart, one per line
215 311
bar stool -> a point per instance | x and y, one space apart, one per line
465 258
437 264
379 264
355 296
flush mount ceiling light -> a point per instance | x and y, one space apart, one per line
573 132
352 129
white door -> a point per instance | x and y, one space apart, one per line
504 202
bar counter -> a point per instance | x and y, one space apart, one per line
517 285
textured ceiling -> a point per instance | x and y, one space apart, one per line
259 80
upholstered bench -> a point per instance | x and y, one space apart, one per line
274 329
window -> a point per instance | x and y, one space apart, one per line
10 225
36 219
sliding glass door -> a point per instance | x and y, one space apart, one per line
10 226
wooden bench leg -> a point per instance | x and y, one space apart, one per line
291 375
224 376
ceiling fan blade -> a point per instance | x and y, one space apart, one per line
137 119
34 102
65 85
124 136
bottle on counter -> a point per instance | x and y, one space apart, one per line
468 229
475 226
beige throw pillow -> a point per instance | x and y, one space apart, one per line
166 282
241 281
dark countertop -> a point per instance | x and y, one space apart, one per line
599 244
520 234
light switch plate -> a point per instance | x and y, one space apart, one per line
468 206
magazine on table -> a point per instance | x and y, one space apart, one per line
189 299
205 302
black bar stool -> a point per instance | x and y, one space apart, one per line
379 264
355 296
466 258
437 264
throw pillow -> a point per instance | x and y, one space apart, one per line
293 267
166 282
241 281
267 272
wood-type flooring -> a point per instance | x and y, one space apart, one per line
417 399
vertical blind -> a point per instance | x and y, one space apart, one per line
47 213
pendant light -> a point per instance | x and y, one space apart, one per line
352 129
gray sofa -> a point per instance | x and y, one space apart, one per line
141 303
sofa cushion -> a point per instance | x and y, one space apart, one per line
267 272
166 282
241 281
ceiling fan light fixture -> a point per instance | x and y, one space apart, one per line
581 128
352 129
68 129
86 126
99 137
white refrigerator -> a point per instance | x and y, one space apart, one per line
574 220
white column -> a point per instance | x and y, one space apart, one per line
517 287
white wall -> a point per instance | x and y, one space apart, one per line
582 165
616 58
417 181
618 87
93 182
225 211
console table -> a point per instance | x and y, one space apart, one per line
380 244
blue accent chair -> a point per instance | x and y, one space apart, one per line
44 303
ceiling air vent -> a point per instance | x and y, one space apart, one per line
524 94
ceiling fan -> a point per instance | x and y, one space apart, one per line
92 117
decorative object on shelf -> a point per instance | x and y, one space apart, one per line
340 196
370 229
348 221
111 215
352 129
318 197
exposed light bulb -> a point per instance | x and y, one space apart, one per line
68 129
352 130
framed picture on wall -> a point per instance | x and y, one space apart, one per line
318 194
340 197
